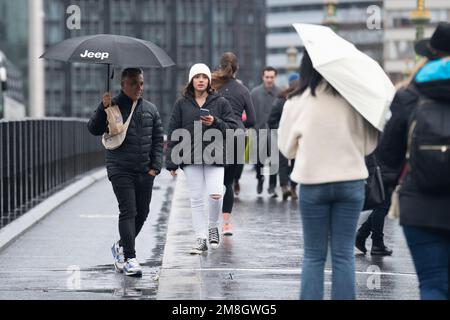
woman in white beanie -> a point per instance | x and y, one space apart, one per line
200 111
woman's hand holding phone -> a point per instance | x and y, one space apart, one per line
206 118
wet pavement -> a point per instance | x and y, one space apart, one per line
67 255
262 260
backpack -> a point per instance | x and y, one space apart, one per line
428 153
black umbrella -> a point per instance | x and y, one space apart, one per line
110 49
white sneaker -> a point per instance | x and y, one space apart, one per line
119 258
199 247
132 268
214 238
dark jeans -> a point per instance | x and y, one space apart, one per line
133 193
285 171
329 214
375 221
430 251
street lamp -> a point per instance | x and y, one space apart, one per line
292 53
330 19
420 17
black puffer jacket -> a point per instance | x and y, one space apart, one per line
142 149
185 113
416 208
276 112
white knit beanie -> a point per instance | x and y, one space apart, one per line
198 69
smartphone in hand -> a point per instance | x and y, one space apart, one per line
204 112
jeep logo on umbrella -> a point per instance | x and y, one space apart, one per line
96 55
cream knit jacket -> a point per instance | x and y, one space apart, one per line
327 137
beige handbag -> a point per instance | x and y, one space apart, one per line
115 120
117 129
394 209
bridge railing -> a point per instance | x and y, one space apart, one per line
39 157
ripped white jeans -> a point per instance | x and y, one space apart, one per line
205 181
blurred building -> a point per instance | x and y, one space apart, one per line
190 32
350 20
14 48
400 33
12 99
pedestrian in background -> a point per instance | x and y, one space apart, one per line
225 84
374 224
288 187
133 166
263 97
205 179
329 139
418 132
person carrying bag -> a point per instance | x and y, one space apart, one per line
134 156
117 130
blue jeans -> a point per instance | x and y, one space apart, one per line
431 253
330 211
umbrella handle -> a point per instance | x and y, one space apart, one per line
107 79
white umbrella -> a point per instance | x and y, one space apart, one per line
356 76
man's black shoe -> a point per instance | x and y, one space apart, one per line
380 251
360 243
272 193
259 188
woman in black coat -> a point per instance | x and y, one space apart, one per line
225 84
201 119
424 215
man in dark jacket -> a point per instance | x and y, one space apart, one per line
133 166
263 97
286 165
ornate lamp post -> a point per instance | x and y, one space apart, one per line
330 18
292 64
420 17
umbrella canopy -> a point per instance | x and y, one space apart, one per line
110 49
356 76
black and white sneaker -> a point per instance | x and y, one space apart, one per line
214 237
199 246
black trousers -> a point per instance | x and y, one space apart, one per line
133 193
228 199
239 172
231 173
285 171
260 162
375 221
272 178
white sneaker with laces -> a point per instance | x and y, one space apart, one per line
119 258
132 268
199 247
214 238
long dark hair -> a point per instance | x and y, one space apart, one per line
310 78
189 90
227 69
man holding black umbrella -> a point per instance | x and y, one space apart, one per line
132 167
